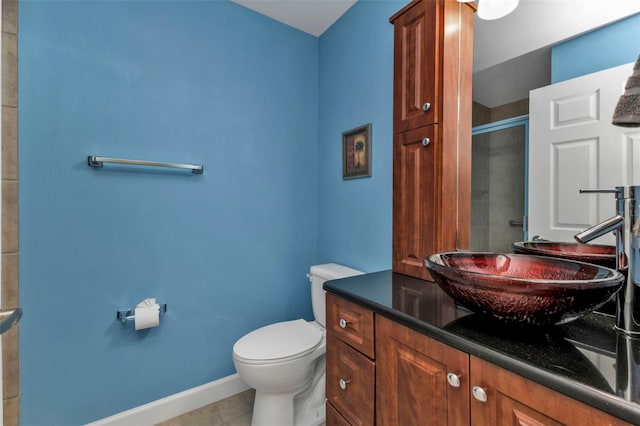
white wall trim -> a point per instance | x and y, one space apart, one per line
176 404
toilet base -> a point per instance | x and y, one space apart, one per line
310 406
272 409
302 409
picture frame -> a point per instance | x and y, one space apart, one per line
356 152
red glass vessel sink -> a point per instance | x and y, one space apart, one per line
591 253
523 289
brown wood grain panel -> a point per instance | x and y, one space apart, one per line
512 398
449 146
415 402
334 418
356 400
411 379
521 415
464 127
417 69
414 201
431 187
359 324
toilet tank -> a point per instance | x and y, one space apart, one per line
318 274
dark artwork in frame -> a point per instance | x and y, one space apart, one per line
356 152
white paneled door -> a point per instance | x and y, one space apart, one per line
573 146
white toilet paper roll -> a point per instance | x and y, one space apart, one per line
147 314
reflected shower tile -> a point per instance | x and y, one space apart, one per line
10 16
9 70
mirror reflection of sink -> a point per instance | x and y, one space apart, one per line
603 255
9 318
523 289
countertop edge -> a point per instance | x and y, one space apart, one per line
617 407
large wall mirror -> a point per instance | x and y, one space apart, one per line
512 56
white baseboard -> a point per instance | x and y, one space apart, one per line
176 404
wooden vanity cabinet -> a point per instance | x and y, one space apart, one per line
434 384
514 400
412 379
432 131
407 378
350 368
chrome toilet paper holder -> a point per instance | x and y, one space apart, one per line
128 314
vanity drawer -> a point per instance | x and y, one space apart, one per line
350 382
351 323
334 418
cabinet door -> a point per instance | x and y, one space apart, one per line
414 200
514 400
416 65
411 379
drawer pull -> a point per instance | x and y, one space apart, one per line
426 106
453 379
479 394
343 384
343 323
426 142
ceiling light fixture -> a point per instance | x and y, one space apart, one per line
494 9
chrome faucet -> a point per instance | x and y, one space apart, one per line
9 318
626 227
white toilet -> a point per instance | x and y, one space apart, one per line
284 362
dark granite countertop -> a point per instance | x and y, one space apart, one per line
585 359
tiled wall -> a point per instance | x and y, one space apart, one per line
480 193
484 115
489 150
10 247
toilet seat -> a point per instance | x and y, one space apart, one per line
279 342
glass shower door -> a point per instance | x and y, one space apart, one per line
499 184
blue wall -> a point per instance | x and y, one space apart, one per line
263 107
610 46
202 82
355 88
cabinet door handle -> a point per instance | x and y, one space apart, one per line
343 384
453 379
343 323
426 142
479 394
426 106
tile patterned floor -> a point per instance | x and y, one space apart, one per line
233 411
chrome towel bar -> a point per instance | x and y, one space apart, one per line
95 161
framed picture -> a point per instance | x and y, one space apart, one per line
356 152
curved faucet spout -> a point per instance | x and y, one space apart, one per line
626 225
610 225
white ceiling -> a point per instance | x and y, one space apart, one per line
514 50
310 16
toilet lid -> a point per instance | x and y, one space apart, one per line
276 341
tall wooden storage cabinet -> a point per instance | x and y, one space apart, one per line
432 131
